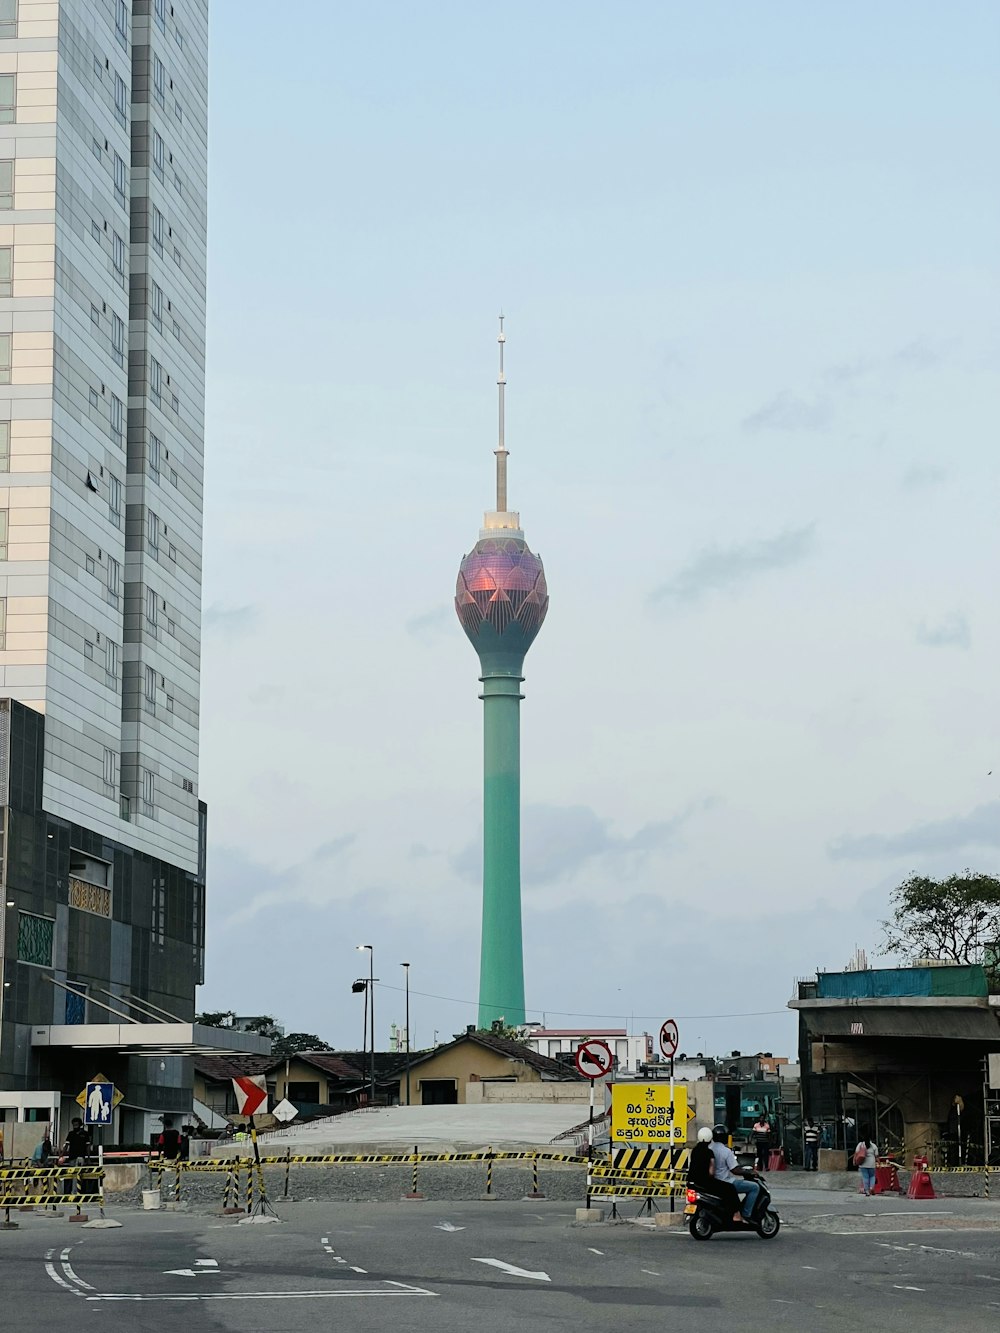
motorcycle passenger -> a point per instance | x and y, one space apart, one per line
702 1174
728 1169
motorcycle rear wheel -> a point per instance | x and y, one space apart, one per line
701 1227
769 1225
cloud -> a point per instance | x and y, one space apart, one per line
229 621
431 624
720 567
921 477
951 632
786 411
559 841
979 828
246 887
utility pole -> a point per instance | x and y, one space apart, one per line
406 973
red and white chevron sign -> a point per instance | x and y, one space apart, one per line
251 1094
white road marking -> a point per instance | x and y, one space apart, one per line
513 1270
50 1268
325 1240
207 1263
810 1269
446 1226
897 1287
263 1295
593 1251
987 1277
67 1268
355 1269
649 1271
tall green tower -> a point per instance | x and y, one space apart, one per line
501 600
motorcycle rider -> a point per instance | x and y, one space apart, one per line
703 1174
728 1170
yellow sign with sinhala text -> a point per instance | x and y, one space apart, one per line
642 1113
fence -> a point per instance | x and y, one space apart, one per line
30 1186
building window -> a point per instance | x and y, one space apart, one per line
3 533
4 446
118 255
160 14
118 339
156 305
115 500
157 229
170 703
178 110
158 154
152 532
8 18
4 358
76 1005
158 79
155 454
155 380
88 650
7 184
117 420
3 622
152 608
148 801
95 316
95 401
121 100
110 768
6 270
8 99
95 144
114 576
121 182
150 691
111 662
34 939
121 22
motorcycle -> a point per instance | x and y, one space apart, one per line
707 1214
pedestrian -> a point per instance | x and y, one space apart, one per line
811 1135
865 1155
43 1150
170 1141
76 1150
762 1141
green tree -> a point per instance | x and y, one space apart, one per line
953 918
216 1018
295 1042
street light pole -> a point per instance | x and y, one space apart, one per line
406 973
371 1010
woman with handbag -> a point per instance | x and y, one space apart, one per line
865 1155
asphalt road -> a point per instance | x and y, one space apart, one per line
839 1263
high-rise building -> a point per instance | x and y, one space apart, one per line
103 213
501 600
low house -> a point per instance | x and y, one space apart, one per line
315 1082
465 1069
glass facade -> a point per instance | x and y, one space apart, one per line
501 582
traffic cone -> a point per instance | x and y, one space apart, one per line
921 1186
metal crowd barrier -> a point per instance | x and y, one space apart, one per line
31 1186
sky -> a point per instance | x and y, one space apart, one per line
748 256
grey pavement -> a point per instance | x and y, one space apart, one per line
839 1263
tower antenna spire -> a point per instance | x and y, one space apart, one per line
501 449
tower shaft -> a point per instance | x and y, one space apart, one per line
501 973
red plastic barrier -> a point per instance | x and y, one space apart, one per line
921 1186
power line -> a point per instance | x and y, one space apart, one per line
566 1013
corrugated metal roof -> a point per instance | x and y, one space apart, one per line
946 1023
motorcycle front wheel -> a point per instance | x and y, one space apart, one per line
701 1227
769 1225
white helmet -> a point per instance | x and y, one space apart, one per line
704 1135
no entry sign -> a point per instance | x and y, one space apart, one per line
593 1059
669 1038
